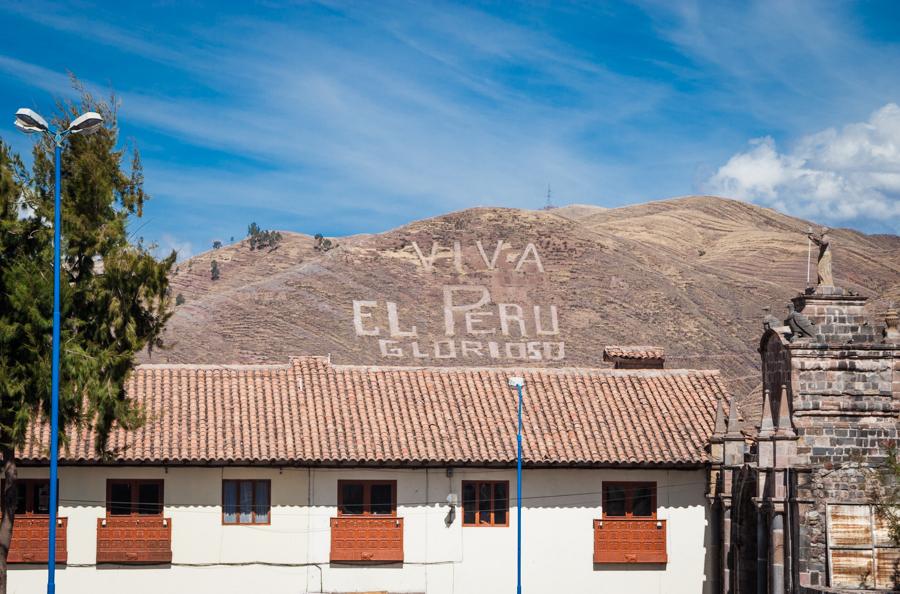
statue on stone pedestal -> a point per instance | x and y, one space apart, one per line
823 265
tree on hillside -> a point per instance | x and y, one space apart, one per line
323 244
260 238
114 294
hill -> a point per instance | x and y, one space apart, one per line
493 286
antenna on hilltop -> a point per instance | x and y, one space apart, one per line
549 205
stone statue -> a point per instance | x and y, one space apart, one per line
800 325
823 265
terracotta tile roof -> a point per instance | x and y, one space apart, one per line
313 412
633 352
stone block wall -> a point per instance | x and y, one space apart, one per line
843 386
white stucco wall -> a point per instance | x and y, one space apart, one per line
292 554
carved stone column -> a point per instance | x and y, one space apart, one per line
776 550
762 555
726 556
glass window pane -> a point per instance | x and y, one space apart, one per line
614 502
41 498
642 501
246 494
351 498
262 502
149 499
229 503
120 499
21 498
501 502
382 499
485 496
470 502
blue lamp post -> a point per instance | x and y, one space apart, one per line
519 384
28 121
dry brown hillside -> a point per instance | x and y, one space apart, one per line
691 274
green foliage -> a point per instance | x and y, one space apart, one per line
886 496
114 294
179 299
214 270
216 244
323 244
260 239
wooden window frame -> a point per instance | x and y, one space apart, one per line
253 522
367 497
135 483
478 523
629 498
29 484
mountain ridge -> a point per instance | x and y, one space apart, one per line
691 274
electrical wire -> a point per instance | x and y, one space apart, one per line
543 496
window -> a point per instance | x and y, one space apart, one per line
246 501
629 500
629 531
375 498
134 497
485 503
32 497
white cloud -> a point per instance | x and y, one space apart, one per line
169 242
845 176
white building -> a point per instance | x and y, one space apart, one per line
311 477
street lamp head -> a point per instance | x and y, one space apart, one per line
517 382
87 123
29 121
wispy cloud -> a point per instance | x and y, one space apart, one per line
169 243
366 118
785 64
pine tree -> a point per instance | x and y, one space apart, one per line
114 294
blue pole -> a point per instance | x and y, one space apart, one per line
519 498
54 402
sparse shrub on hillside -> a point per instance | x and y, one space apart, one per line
260 239
885 493
179 299
323 244
214 270
217 244
701 253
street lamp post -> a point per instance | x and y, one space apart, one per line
30 122
519 384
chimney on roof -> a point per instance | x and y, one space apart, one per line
635 357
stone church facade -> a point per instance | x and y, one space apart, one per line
792 500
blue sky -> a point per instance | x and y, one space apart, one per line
341 118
